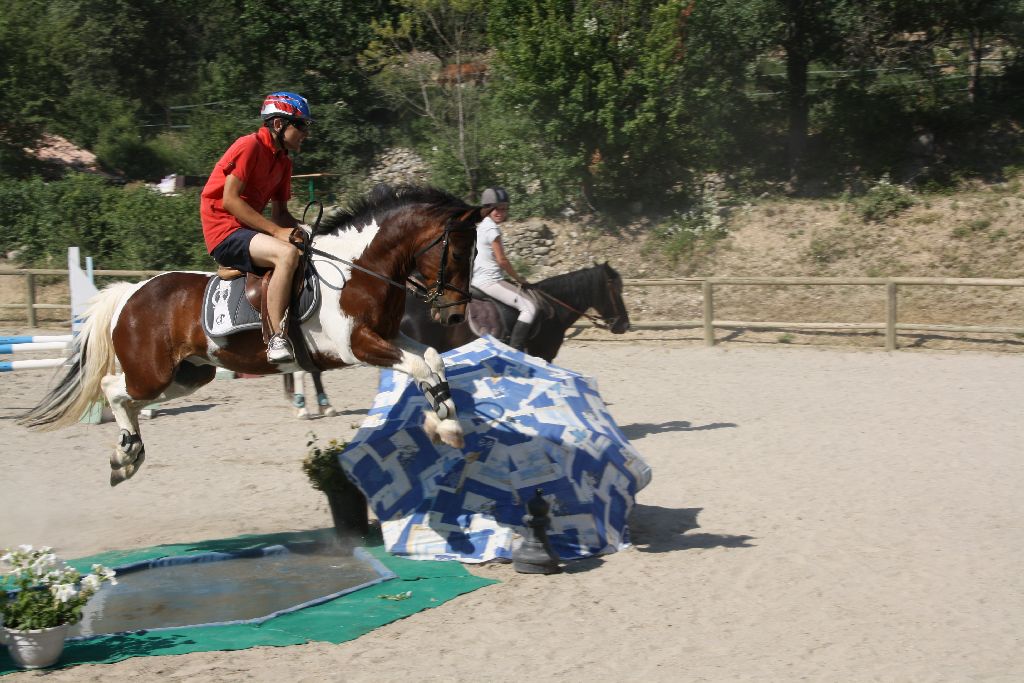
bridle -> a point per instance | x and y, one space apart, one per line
430 294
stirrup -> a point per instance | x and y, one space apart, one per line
279 350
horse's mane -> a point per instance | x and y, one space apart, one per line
584 280
383 199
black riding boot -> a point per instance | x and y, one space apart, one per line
520 333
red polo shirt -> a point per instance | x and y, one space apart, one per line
267 176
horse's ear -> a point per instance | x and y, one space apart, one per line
476 214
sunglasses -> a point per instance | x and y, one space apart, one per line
301 124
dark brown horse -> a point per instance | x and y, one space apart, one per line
570 295
363 258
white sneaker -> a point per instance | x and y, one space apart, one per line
279 350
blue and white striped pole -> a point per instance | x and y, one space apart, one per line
37 339
12 365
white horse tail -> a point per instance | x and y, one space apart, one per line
92 357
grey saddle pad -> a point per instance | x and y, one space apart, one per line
227 311
487 316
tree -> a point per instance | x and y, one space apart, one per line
430 60
28 81
638 93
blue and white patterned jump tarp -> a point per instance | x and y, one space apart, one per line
528 424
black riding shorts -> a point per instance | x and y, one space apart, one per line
233 252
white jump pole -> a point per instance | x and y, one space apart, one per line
82 290
82 287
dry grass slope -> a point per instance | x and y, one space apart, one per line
974 232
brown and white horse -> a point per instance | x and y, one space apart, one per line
363 258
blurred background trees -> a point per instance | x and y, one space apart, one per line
584 105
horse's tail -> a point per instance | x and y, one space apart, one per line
92 357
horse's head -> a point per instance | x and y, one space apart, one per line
610 306
446 263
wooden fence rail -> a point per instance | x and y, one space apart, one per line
707 284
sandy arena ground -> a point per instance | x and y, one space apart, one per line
824 515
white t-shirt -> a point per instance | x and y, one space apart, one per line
485 268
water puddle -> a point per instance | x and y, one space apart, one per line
218 588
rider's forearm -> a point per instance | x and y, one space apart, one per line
504 264
252 218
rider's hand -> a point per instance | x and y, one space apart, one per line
299 238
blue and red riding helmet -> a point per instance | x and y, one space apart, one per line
286 104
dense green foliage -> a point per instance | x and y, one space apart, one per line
584 105
133 227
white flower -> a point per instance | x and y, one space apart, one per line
64 591
44 563
105 573
91 583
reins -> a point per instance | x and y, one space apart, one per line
430 294
599 322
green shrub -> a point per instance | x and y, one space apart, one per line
123 227
971 227
823 251
882 201
686 232
322 467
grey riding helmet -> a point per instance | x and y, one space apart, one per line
494 195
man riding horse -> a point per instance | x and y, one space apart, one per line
256 170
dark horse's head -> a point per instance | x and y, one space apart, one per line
423 230
609 304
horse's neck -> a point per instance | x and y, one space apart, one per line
579 295
373 245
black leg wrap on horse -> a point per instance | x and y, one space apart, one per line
436 394
128 439
441 392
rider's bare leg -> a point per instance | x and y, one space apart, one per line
268 252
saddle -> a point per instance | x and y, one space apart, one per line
488 316
232 304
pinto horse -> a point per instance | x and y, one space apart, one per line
363 258
570 295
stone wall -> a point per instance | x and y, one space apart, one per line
397 166
530 243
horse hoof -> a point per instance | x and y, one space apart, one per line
127 449
450 432
431 422
302 414
328 411
119 474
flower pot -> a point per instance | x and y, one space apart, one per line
36 648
